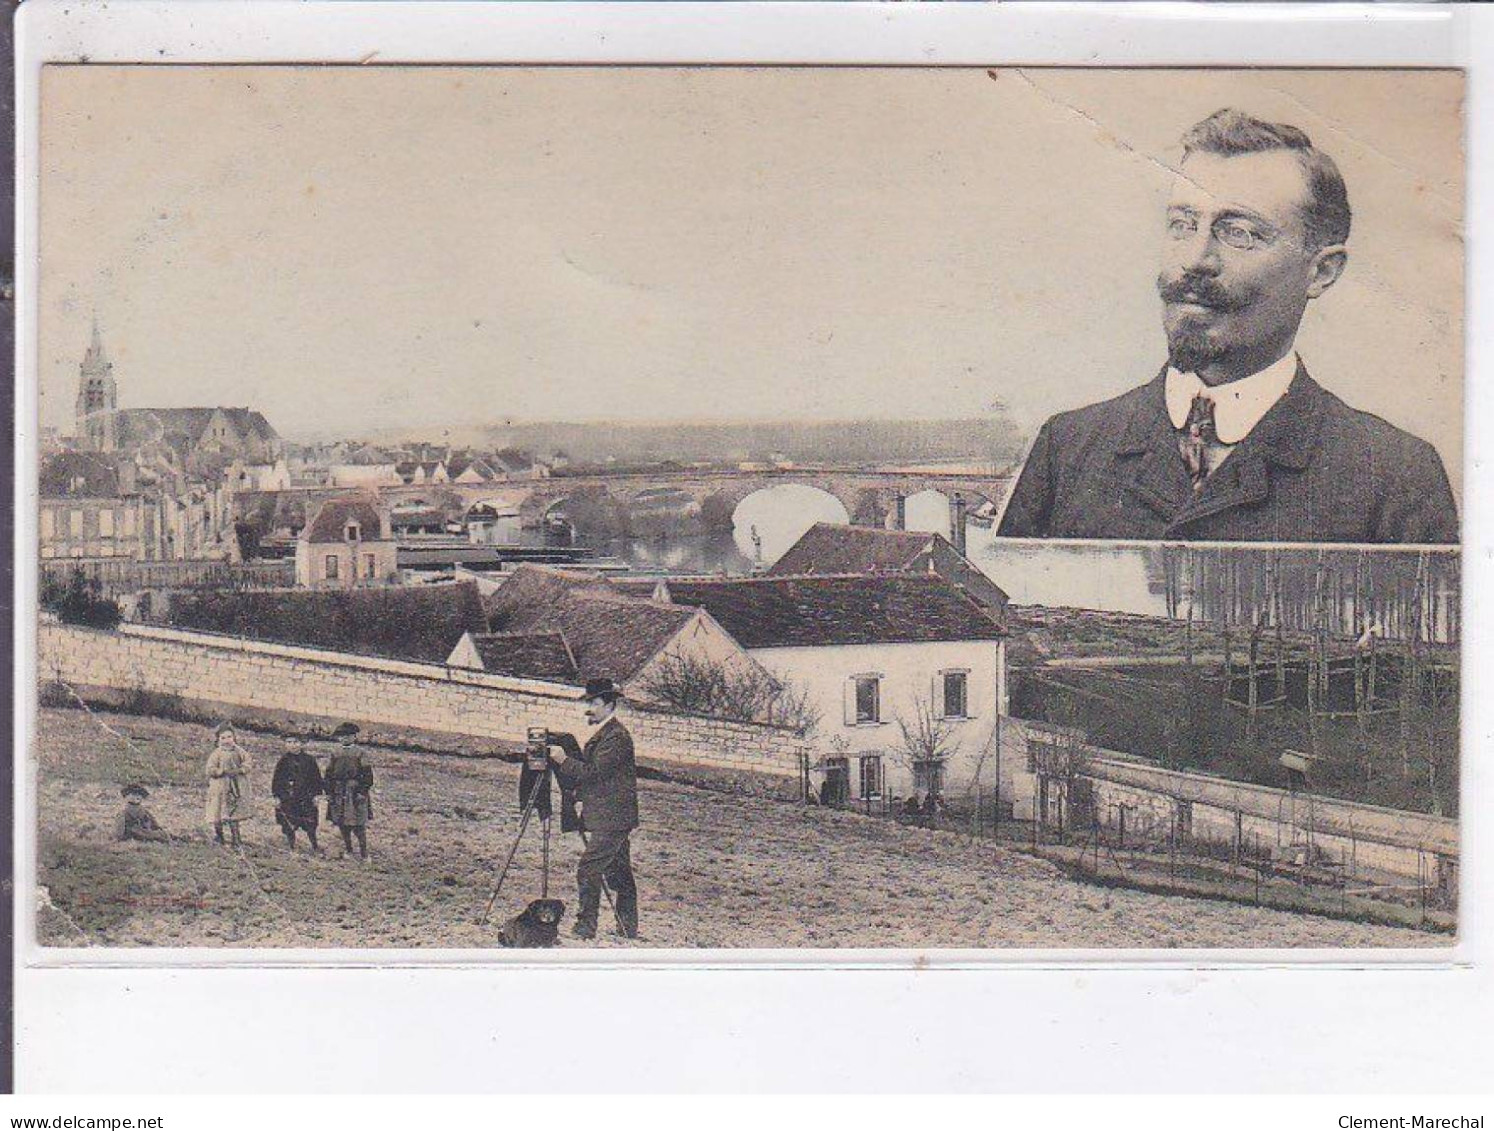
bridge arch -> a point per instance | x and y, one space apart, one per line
773 517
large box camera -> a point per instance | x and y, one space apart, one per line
537 756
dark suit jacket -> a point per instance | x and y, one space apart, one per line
1312 470
606 777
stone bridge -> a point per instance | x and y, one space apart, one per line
869 496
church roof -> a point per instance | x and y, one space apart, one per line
136 427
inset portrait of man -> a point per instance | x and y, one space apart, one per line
1233 440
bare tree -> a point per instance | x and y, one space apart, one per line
925 739
1060 759
702 686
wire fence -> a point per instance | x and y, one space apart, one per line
1127 846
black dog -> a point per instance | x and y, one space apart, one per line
537 925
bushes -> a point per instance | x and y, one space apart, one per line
54 693
80 600
139 701
398 623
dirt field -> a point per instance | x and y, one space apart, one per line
714 869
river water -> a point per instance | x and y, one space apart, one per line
769 522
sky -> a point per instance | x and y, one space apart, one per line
358 248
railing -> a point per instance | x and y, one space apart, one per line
126 575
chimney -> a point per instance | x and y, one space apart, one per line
957 522
900 512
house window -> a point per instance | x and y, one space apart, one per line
370 566
956 694
331 567
871 775
47 524
127 523
868 699
352 532
928 777
106 523
75 523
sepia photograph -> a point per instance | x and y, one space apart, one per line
748 508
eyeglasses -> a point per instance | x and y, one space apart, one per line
1241 235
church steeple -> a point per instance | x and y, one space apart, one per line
98 397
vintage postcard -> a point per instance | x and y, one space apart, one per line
515 507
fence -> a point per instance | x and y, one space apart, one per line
116 576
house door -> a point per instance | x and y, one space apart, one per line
837 788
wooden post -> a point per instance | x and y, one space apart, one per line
1278 617
1360 705
1251 696
1410 677
1229 668
1315 662
996 792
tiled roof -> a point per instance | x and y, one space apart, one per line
830 548
527 655
422 516
512 459
609 634
459 465
249 422
833 548
135 427
330 522
369 456
79 475
817 611
532 587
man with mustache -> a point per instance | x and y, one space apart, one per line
1233 441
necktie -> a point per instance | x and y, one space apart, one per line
1198 436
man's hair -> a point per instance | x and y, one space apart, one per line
1229 133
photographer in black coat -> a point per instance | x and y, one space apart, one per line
606 782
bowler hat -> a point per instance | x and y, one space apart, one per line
345 730
602 688
135 790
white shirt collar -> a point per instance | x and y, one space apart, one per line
1238 405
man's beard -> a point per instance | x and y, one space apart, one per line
1189 344
1189 347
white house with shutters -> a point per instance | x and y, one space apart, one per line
347 544
907 671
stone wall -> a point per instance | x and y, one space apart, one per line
254 681
1358 837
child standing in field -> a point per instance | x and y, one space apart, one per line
226 769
